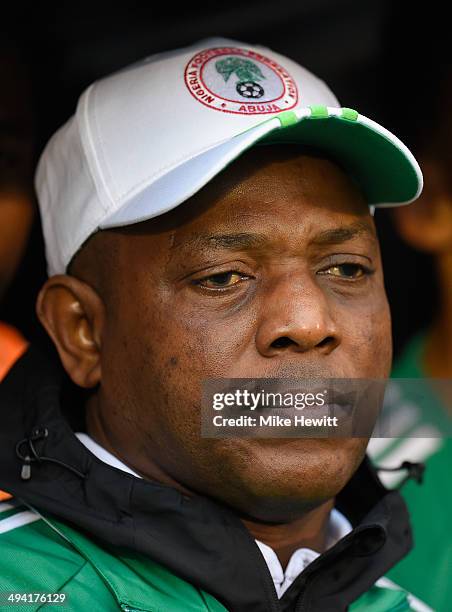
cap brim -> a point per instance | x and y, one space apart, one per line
381 164
378 161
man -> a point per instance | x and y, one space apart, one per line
170 265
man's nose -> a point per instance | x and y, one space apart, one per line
296 316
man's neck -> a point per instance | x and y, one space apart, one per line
308 531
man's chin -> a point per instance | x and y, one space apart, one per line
282 479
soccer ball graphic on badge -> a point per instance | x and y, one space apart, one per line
250 89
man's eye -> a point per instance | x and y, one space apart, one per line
220 281
348 270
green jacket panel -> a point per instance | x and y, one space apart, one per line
48 556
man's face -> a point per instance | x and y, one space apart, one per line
272 270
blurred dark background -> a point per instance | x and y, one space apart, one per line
377 56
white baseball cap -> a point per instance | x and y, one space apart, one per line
148 137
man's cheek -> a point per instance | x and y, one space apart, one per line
372 350
204 349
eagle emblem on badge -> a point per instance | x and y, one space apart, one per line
247 73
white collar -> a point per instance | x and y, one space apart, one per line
101 453
338 527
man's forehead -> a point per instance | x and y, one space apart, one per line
290 167
303 194
266 180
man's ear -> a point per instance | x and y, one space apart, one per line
427 223
74 316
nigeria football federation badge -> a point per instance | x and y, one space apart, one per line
236 80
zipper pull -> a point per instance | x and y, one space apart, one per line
25 473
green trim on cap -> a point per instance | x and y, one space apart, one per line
287 118
318 111
379 167
350 114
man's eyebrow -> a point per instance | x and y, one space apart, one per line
244 240
339 235
235 241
